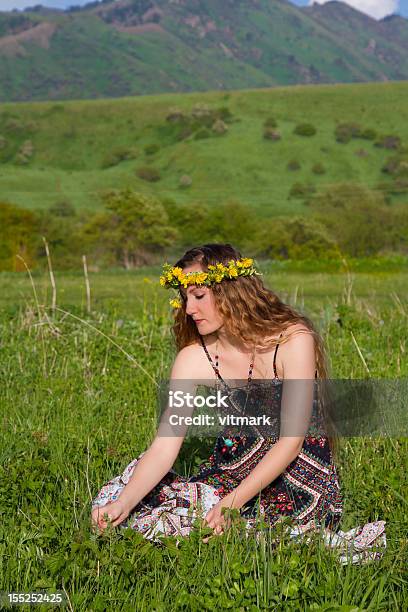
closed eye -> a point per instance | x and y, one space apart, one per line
199 297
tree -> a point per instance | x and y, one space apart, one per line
60 225
133 229
357 218
294 238
18 228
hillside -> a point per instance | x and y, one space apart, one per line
134 47
207 147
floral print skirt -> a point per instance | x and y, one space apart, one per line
307 491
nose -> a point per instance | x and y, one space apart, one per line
191 306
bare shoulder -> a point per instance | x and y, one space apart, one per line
298 334
189 362
297 353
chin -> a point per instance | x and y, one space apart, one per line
206 328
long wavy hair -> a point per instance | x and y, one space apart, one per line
249 311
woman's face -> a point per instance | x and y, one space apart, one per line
200 305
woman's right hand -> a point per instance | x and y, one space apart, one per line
115 511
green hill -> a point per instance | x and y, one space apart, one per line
208 147
133 47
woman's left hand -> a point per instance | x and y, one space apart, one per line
214 517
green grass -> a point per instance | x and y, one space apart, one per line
71 139
76 411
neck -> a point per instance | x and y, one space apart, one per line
227 342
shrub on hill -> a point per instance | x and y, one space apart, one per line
403 168
219 127
301 190
198 122
14 126
318 168
305 129
344 132
185 181
175 115
201 110
117 155
391 165
388 142
293 164
151 149
271 134
25 153
396 165
147 173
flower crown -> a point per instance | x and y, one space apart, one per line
175 277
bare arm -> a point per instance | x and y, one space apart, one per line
160 456
163 451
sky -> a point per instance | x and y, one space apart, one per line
374 8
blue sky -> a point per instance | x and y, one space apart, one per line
375 8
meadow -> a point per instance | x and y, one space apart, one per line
78 399
75 151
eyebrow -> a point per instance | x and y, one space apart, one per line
193 287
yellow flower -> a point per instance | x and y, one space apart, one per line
175 303
175 277
177 272
201 277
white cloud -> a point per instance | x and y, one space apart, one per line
9 5
375 8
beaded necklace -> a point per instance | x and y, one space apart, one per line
228 443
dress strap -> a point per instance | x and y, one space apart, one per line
274 358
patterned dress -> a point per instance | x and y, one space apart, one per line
308 490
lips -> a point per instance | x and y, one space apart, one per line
198 320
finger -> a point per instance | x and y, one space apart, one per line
119 520
219 530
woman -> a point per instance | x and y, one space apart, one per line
229 326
